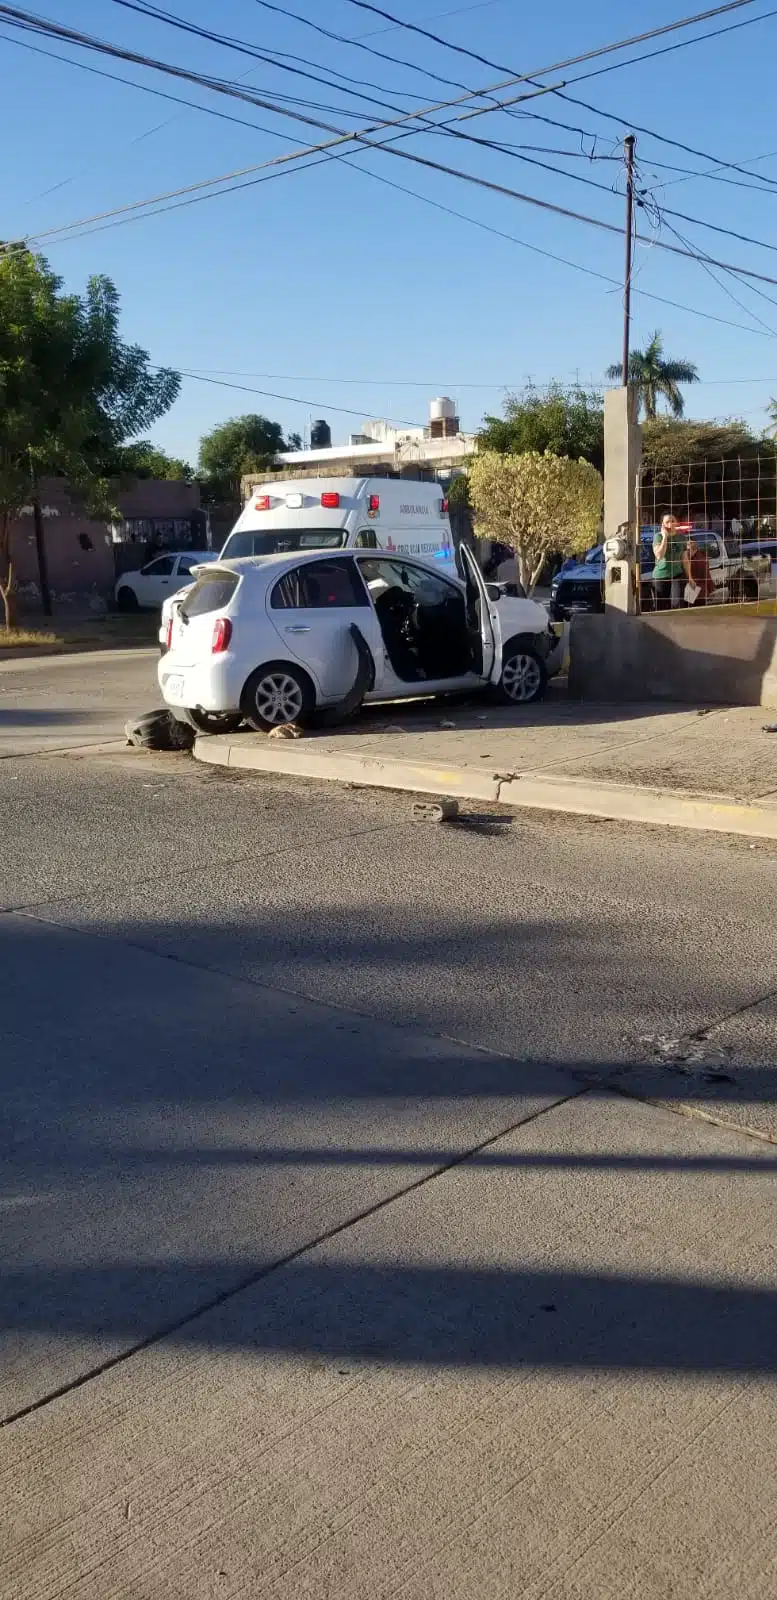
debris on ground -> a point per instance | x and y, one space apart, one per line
158 730
769 727
446 724
434 811
489 826
287 730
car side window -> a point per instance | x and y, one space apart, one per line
160 568
185 566
709 544
318 586
381 574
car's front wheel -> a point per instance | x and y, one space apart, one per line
276 694
524 674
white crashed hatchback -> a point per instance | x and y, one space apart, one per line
273 639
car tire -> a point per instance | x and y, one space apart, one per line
277 694
127 599
524 677
158 730
210 721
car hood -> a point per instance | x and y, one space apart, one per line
583 569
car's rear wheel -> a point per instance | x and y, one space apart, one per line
210 721
524 674
277 694
744 589
127 599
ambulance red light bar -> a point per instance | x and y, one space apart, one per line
330 500
262 502
373 504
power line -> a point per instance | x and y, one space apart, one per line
192 105
293 399
424 161
625 122
436 38
157 14
550 255
359 135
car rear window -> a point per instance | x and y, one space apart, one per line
211 592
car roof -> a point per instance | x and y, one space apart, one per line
272 566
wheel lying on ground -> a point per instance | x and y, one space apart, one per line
158 730
524 674
127 600
210 721
275 694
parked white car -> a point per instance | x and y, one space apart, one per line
164 576
270 639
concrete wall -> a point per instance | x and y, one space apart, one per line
81 554
713 656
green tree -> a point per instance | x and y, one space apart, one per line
144 460
71 392
561 421
535 503
243 444
657 378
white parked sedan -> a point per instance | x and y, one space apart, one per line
165 575
270 639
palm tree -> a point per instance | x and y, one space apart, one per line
657 379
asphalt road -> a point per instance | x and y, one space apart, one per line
247 1023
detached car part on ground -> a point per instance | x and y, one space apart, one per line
269 640
735 576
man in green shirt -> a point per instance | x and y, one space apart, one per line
668 575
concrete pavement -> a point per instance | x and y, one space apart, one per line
60 702
351 1243
708 769
541 1373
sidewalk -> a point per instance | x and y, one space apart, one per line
648 763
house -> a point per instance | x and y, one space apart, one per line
436 451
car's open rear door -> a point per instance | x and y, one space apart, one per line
482 620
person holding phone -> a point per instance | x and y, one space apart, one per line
668 572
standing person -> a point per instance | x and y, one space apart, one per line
699 587
668 573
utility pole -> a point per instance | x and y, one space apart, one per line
628 145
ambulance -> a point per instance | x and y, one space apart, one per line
398 515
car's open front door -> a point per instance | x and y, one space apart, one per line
482 620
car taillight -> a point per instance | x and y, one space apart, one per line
330 500
443 505
222 633
169 633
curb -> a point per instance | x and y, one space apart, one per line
575 796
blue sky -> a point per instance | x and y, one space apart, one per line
329 286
